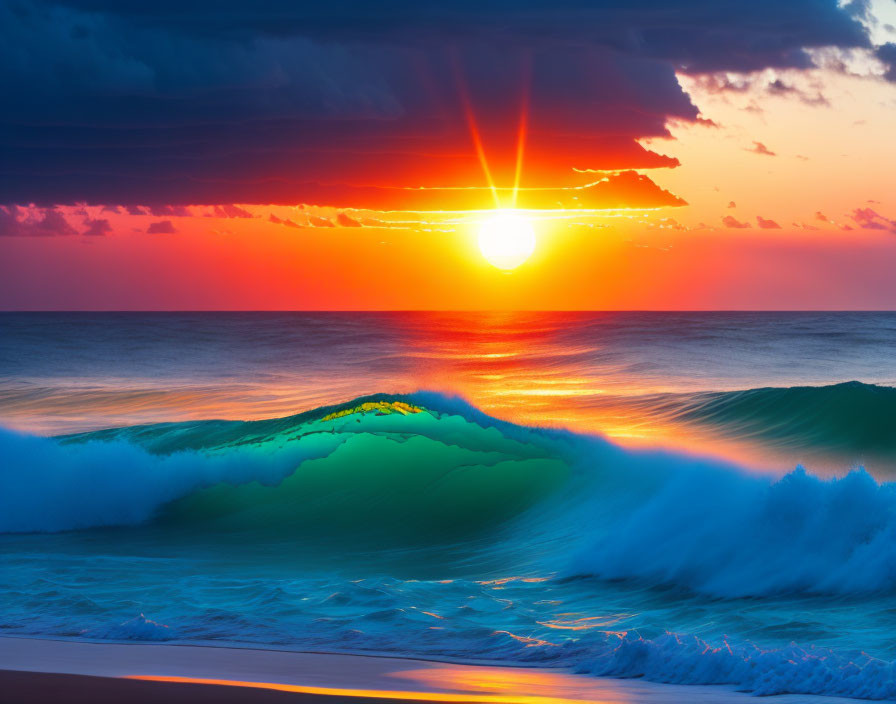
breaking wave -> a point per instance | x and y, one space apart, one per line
425 470
431 469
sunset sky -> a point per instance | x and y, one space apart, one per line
280 155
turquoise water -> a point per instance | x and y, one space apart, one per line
431 528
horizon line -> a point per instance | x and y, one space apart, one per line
444 310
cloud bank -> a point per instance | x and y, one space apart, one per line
353 104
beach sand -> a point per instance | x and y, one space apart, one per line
40 670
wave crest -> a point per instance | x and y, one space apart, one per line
731 534
686 659
850 419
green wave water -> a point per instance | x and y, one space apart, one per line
851 417
336 475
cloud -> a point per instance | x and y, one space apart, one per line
283 221
870 219
98 227
780 88
732 204
765 224
178 211
162 227
758 85
284 102
33 222
760 148
344 220
627 189
667 224
887 55
231 211
821 216
731 221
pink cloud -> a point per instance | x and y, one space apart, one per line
730 221
870 219
760 148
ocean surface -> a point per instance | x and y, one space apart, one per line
700 498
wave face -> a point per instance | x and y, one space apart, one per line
852 418
418 525
414 474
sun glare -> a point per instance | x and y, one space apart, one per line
507 239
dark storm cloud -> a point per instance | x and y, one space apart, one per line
179 211
175 103
701 35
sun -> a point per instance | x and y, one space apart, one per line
507 239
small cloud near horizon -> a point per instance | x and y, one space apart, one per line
870 219
344 220
162 227
730 221
98 227
760 148
283 221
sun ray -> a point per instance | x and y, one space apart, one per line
523 127
470 118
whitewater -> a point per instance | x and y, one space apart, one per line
417 525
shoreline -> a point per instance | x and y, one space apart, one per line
36 670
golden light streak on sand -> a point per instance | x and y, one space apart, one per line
447 677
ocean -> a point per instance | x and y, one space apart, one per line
700 498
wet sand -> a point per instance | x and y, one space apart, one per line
74 672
